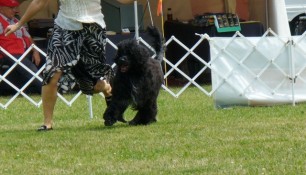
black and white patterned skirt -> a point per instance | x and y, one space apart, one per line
79 55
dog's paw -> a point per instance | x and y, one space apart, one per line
142 122
109 122
133 123
121 119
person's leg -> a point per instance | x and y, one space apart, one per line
90 84
104 87
93 62
49 97
57 74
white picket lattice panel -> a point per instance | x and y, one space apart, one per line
245 70
258 71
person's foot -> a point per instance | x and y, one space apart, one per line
44 128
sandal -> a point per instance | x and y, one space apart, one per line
44 128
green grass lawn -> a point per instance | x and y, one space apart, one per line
190 137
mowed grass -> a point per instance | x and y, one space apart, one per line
190 137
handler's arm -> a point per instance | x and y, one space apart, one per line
34 7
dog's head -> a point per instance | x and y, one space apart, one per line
123 63
131 56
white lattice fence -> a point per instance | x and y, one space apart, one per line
258 71
6 102
245 70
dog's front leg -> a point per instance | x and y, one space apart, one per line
114 112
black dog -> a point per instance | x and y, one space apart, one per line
137 81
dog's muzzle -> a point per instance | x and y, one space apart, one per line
123 64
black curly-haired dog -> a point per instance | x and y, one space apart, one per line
137 81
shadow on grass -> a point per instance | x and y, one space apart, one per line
24 130
102 127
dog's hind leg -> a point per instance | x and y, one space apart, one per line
137 119
151 114
145 116
120 116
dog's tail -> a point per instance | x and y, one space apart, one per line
158 42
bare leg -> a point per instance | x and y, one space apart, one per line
104 87
49 97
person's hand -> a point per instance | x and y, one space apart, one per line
36 57
11 29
